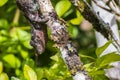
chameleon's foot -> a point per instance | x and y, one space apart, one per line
42 19
36 18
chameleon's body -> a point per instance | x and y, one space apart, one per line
30 10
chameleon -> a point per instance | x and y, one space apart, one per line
30 9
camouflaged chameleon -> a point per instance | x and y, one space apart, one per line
30 9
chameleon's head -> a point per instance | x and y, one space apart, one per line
27 5
23 4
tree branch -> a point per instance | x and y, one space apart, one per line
99 25
60 35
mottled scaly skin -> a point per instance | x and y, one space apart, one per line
30 9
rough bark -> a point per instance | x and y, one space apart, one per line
32 10
60 36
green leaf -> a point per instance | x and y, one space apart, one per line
1 67
107 59
29 73
100 77
4 76
24 54
30 62
40 73
101 49
62 6
17 72
55 58
13 61
14 78
3 23
73 31
22 36
2 2
99 72
54 66
85 56
77 20
89 66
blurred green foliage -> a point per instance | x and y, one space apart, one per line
17 57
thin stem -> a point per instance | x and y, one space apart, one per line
109 10
16 17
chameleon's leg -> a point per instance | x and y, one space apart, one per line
36 59
38 39
37 18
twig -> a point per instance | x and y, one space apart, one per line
101 6
99 25
114 5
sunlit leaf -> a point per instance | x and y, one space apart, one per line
4 76
98 75
88 66
73 31
54 66
99 72
85 56
40 73
14 78
13 61
17 72
2 2
29 73
24 54
22 36
77 20
67 13
55 58
30 62
62 6
101 49
107 59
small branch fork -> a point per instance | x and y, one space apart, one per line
113 6
60 36
99 25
